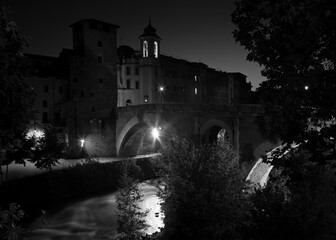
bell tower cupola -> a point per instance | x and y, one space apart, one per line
150 42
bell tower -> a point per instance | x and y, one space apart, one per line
150 42
149 65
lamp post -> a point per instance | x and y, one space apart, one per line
161 91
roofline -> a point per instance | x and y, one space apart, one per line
95 20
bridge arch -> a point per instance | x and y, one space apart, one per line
210 129
142 125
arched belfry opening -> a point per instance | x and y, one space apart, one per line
150 42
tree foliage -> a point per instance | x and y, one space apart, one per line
16 96
202 191
10 223
131 220
294 42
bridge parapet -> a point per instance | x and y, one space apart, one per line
237 109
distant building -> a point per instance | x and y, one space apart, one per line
142 73
80 90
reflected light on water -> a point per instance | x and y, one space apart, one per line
95 218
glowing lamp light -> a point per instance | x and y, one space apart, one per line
306 87
161 88
155 133
82 142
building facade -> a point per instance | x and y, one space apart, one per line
80 91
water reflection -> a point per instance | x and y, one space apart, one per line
94 218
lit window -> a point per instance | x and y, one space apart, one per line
195 78
145 49
196 90
156 50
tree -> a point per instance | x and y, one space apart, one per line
202 191
48 149
16 96
294 42
10 223
131 220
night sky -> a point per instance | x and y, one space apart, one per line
191 30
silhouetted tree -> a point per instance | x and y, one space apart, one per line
15 95
10 223
202 191
294 42
131 219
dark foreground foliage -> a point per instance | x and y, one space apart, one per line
202 191
52 189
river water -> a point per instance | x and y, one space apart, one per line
94 218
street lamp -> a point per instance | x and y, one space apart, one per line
161 90
306 87
155 133
82 143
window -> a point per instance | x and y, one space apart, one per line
175 88
196 78
106 27
82 93
128 70
60 89
136 71
93 25
156 50
145 49
92 94
46 88
99 44
146 98
44 117
45 103
101 80
93 109
182 89
128 84
100 59
137 84
75 80
196 90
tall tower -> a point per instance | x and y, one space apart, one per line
149 61
93 84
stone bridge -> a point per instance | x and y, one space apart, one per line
194 122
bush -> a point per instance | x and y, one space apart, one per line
202 191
